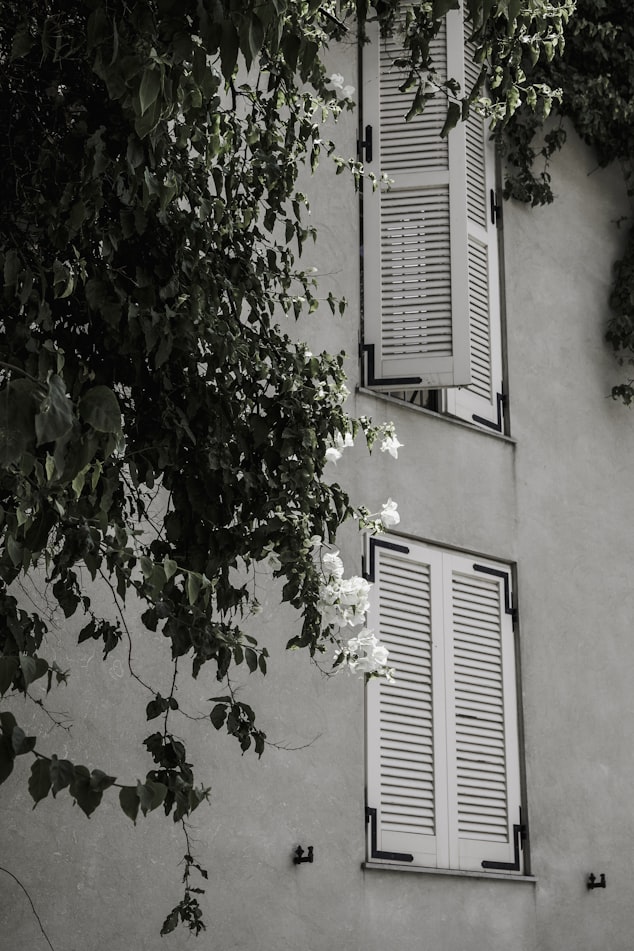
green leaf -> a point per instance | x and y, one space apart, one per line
6 758
453 117
149 89
129 802
40 780
100 408
18 403
151 795
62 773
82 792
100 780
20 742
8 668
256 35
7 723
218 715
32 668
55 418
194 584
169 567
251 658
441 7
11 268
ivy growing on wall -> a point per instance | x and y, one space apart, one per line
596 76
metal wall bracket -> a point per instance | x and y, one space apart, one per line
300 857
593 883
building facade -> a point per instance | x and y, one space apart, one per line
466 805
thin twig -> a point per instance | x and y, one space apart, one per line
39 921
127 631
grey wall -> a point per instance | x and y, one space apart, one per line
555 499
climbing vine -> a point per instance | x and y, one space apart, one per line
596 75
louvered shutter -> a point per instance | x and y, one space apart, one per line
480 402
416 325
482 737
442 740
406 754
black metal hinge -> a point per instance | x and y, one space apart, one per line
365 145
496 208
519 836
395 382
499 573
497 425
368 570
370 816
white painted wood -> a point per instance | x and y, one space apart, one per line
480 398
442 741
415 252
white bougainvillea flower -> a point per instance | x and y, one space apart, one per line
336 80
389 515
392 445
343 442
332 565
332 454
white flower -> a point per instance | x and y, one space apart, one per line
365 655
389 516
348 92
332 454
392 445
336 80
332 565
341 393
343 442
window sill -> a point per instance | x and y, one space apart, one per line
455 873
434 414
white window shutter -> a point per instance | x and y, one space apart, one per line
406 755
442 740
416 320
481 401
483 763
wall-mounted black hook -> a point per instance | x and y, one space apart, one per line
593 883
300 857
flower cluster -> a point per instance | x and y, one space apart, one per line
391 444
345 602
337 82
381 521
342 601
364 654
334 452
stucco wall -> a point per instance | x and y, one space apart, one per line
555 499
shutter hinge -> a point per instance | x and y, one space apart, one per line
365 145
370 816
520 833
496 208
